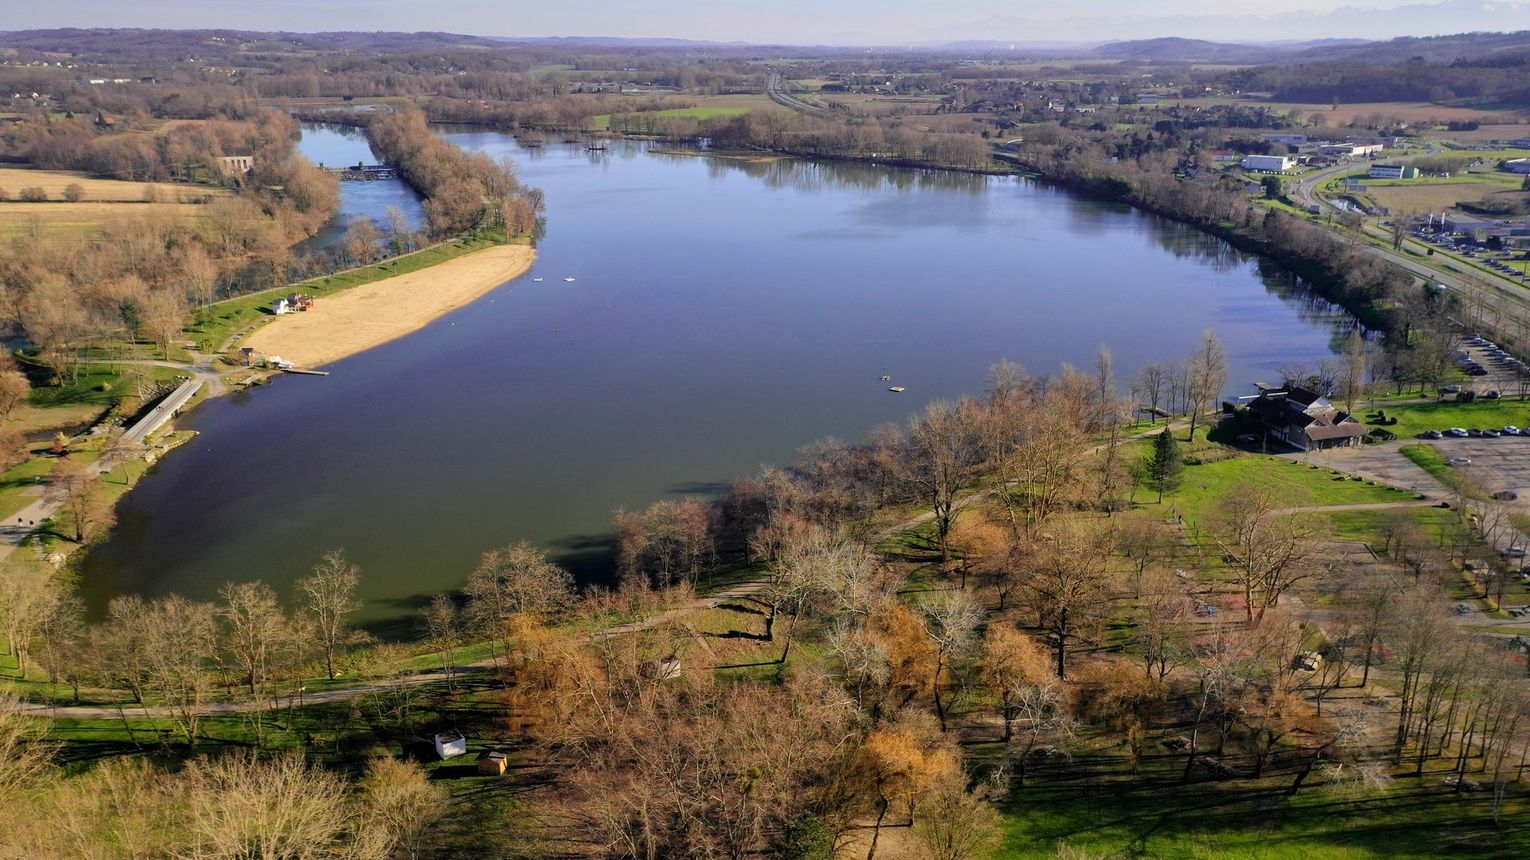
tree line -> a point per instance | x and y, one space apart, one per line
459 187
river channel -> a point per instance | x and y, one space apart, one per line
723 313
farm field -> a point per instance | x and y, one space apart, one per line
13 179
1432 197
1347 113
78 219
880 105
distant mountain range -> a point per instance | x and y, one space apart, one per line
1478 48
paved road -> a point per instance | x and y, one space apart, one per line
776 90
1504 303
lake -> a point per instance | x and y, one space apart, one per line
724 313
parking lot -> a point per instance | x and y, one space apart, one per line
1501 373
1497 465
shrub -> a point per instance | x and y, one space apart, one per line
74 192
33 194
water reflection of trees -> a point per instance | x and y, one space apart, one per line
815 176
1311 307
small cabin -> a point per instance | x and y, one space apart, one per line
451 744
493 763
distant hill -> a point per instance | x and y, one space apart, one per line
1468 47
1172 48
135 43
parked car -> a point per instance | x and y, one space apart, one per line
1513 552
1474 432
1457 432
1511 430
1432 434
1460 461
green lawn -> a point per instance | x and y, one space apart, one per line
1154 816
1429 458
1416 418
702 112
1292 484
15 482
95 384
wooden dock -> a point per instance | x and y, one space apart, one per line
301 372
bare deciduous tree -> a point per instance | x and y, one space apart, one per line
328 597
1206 376
942 449
1268 551
1065 585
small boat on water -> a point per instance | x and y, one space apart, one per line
897 389
568 280
887 377
536 280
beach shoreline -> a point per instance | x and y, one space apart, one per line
367 316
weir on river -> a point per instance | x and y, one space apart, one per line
362 172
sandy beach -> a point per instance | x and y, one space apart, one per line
366 316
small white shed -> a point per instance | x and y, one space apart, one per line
450 744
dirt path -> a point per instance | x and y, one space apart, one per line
928 516
112 712
372 314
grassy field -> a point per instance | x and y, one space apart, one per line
1154 816
1429 458
1429 196
1413 419
1412 112
1290 483
15 485
13 179
83 220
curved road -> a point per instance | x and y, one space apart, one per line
1508 302
776 90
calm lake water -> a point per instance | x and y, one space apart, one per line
723 314
337 145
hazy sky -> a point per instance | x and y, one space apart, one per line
846 22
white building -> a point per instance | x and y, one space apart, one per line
1351 150
1268 163
1393 171
236 165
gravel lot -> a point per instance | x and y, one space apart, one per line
1497 464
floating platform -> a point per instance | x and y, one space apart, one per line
897 389
301 372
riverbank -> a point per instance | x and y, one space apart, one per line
372 314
